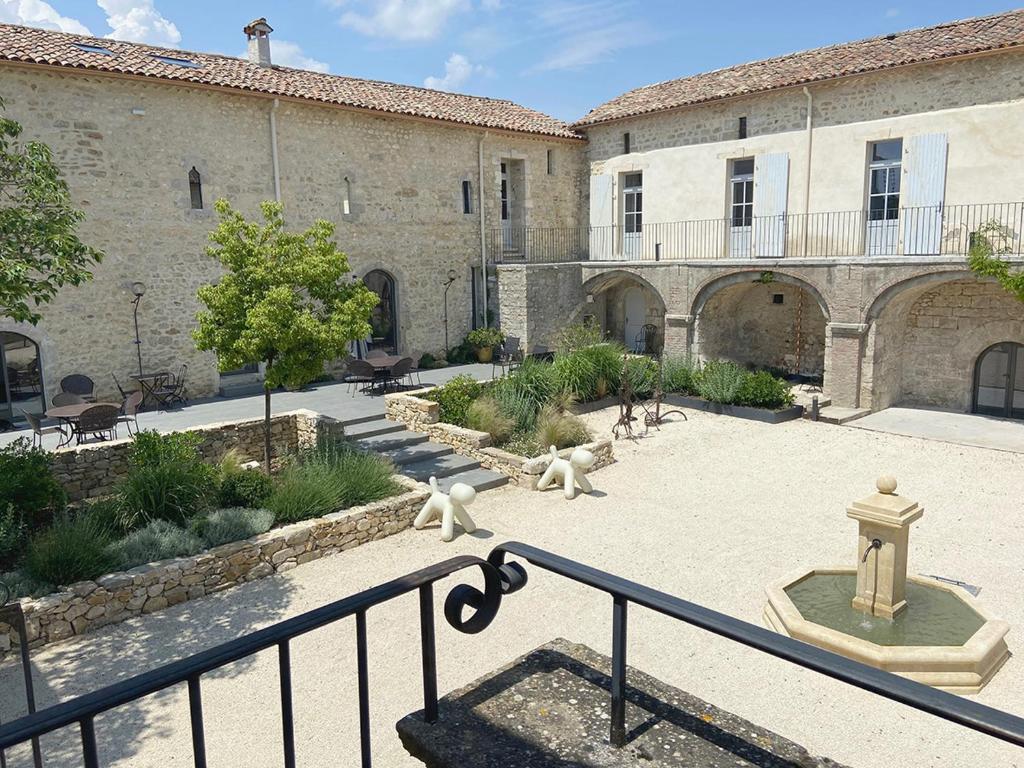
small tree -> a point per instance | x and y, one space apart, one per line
988 244
39 251
283 301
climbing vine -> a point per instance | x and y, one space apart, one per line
988 245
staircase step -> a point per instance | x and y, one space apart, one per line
346 423
362 429
440 466
410 454
391 440
836 414
481 479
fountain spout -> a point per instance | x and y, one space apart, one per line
875 544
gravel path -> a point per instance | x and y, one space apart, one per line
711 509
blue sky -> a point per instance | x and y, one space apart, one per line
562 57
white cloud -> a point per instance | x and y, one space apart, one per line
289 54
588 31
402 19
457 70
36 13
140 22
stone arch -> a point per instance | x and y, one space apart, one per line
900 285
711 286
385 319
615 295
47 360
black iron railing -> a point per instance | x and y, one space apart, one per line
925 231
500 578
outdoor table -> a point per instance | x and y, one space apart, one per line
382 367
149 383
70 414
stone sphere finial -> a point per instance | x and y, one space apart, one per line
886 484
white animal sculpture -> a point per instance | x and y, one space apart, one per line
447 507
569 471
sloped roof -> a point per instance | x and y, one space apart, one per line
38 46
955 38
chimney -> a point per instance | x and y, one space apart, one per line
257 32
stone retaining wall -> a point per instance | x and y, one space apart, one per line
93 470
88 605
416 413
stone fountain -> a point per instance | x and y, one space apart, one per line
921 628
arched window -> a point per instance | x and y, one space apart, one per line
195 189
999 381
384 317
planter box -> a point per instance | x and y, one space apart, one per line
740 411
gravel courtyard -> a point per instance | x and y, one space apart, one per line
710 509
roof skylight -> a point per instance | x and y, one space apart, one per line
176 62
89 48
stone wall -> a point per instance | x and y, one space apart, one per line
88 605
93 470
402 179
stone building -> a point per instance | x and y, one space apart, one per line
148 139
810 213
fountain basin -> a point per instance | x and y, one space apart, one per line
944 639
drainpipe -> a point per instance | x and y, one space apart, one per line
273 150
807 182
483 236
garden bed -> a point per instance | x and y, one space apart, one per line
766 415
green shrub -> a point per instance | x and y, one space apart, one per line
720 381
12 535
559 428
642 373
523 392
107 514
517 406
248 488
485 415
763 390
455 397
159 540
232 524
523 443
426 361
23 585
677 375
167 480
607 358
481 338
28 486
577 374
576 337
461 353
74 548
302 492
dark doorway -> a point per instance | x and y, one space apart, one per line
21 378
999 381
384 318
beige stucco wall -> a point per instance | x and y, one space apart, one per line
129 174
684 155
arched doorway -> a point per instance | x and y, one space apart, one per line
999 381
384 318
622 304
21 378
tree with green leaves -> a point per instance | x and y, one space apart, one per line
989 245
284 301
39 250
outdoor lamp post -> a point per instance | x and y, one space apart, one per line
138 289
452 274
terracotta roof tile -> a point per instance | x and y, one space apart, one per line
38 46
956 38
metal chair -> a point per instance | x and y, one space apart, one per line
79 384
130 412
509 356
398 372
38 430
173 390
359 372
415 370
540 352
67 398
643 344
100 421
124 392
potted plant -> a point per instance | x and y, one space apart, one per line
484 340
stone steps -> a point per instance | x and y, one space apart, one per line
418 457
836 414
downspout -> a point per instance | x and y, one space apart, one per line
807 166
483 235
273 150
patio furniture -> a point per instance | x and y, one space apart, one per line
173 390
67 398
100 421
399 371
643 344
359 372
508 356
416 356
376 354
38 430
122 390
150 383
80 385
70 416
130 412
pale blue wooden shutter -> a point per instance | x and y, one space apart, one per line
602 216
923 193
771 191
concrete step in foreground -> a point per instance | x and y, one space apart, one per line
441 466
391 441
837 414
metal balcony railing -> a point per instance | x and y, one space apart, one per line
927 231
500 579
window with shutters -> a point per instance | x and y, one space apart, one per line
885 162
741 188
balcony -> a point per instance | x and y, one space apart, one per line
928 231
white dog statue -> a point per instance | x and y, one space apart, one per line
447 507
570 471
